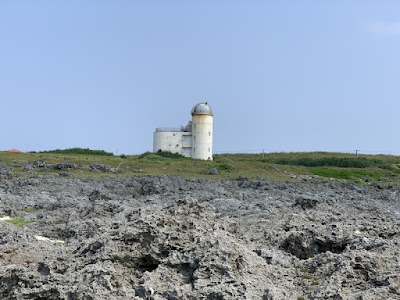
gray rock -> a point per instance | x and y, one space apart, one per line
212 171
38 164
60 166
20 164
167 237
27 168
97 167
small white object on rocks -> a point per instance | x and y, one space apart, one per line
42 238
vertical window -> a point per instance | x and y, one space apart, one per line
209 150
209 133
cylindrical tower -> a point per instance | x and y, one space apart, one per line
202 131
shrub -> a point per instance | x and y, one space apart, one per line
223 160
160 153
151 158
145 154
86 151
168 154
341 162
225 167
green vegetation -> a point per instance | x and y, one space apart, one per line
315 282
223 160
86 151
2 216
300 298
152 158
165 154
30 210
329 273
345 174
307 276
18 222
276 166
160 157
225 167
341 162
304 270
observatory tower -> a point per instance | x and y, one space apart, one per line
202 131
193 140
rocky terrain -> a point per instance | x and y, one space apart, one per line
165 237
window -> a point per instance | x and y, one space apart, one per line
209 133
194 137
209 150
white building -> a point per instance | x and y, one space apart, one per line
193 140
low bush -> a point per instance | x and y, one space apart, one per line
341 162
145 154
225 167
223 160
77 151
168 154
149 157
160 153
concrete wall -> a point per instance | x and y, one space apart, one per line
175 142
202 135
168 141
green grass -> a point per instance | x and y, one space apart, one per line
152 158
307 276
230 165
342 162
304 270
2 216
30 210
18 222
345 174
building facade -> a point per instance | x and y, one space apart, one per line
193 140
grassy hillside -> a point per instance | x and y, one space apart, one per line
280 166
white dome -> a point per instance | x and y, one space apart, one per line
202 108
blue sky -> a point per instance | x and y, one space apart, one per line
279 75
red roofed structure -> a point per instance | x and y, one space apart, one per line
15 150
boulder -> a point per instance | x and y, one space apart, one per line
212 171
